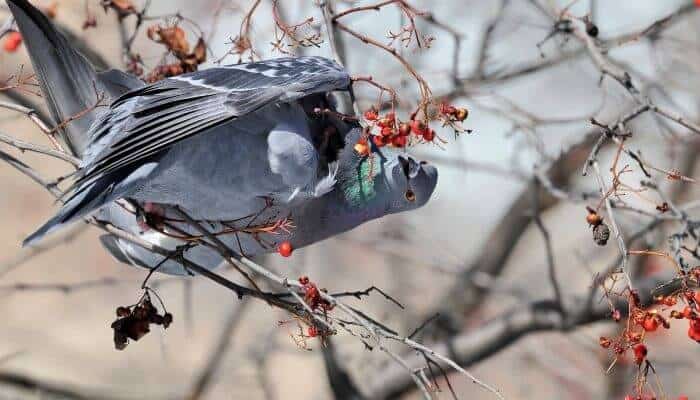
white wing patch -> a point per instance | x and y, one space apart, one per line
327 184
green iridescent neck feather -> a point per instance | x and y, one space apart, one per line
358 183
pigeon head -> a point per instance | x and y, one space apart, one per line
386 181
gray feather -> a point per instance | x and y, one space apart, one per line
66 78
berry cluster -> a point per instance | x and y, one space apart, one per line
133 322
312 295
643 321
388 131
690 311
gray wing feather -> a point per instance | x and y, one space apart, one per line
116 83
147 121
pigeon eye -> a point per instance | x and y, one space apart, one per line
410 195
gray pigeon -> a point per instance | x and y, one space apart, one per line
238 148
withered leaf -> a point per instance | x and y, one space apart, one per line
200 51
172 37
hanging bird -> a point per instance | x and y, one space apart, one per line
239 148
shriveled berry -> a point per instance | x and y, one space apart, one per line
601 234
640 353
604 342
167 320
304 280
123 312
285 249
591 29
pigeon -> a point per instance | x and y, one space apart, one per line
241 149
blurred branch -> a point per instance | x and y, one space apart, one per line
339 379
43 388
31 147
465 296
549 251
482 56
218 352
28 253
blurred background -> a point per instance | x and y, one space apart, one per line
473 253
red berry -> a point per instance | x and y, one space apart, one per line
694 330
650 323
312 332
697 3
311 291
447 109
285 249
687 312
387 131
304 280
391 116
378 141
399 141
404 129
429 135
385 123
371 115
12 42
640 353
629 396
683 397
418 127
